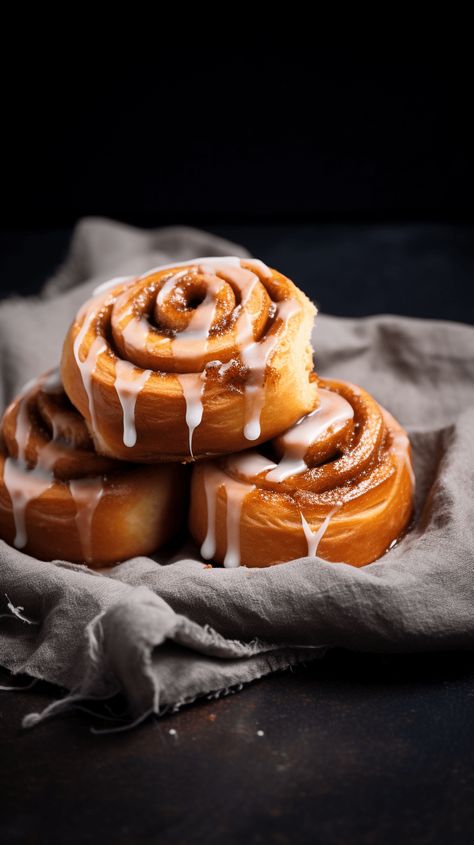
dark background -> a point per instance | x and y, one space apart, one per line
352 171
243 135
348 168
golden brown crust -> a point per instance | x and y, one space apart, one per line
60 500
146 323
356 491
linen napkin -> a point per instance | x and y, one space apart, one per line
164 632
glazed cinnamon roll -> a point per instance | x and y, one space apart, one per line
198 359
338 484
59 499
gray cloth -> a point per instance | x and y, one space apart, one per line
166 634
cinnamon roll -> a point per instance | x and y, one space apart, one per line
338 484
191 360
59 499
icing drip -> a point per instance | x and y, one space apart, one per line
236 492
24 484
193 386
88 365
313 538
86 493
194 338
333 412
255 356
128 383
212 482
197 333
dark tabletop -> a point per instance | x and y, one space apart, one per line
351 749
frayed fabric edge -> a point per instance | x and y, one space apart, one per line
17 613
76 700
96 677
213 695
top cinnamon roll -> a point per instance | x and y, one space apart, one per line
196 359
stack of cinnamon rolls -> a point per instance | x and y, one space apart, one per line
189 393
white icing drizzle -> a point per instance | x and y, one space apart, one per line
193 386
313 538
255 356
86 493
129 381
212 481
333 412
112 283
168 286
249 463
401 448
193 339
202 318
24 484
135 333
19 496
245 281
97 347
195 336
236 492
259 265
231 260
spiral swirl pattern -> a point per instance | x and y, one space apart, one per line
191 360
339 483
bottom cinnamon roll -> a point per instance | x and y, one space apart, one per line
339 485
60 500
